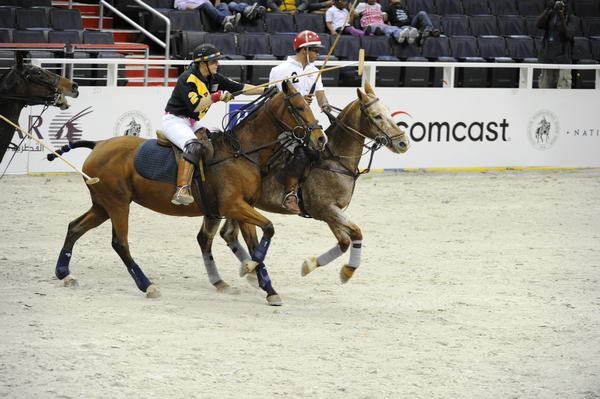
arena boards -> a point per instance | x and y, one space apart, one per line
450 129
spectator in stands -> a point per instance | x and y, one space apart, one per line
314 6
556 21
290 6
196 90
372 20
419 26
225 19
250 12
337 18
306 45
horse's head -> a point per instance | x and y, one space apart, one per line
297 117
34 85
378 122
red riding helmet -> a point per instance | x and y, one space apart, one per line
307 38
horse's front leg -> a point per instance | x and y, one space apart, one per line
245 214
347 234
205 240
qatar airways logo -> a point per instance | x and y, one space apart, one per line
443 131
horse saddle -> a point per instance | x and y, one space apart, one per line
157 159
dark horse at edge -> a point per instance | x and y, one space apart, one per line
26 84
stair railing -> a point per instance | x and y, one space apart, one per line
166 44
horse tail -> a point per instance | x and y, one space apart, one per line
68 147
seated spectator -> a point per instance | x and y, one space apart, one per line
419 24
250 12
315 6
336 19
372 20
225 19
290 6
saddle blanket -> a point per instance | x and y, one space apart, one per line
156 162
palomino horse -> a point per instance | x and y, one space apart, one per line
234 179
29 85
327 190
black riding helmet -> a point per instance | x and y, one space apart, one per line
206 52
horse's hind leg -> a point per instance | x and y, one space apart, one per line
78 227
347 233
205 240
119 216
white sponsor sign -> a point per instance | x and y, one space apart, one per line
449 128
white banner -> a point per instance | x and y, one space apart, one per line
449 128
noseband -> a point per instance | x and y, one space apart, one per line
27 76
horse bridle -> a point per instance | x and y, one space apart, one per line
302 125
26 75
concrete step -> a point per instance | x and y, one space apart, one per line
124 35
92 22
86 9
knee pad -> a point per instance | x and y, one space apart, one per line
193 151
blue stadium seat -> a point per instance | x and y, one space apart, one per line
531 7
6 35
32 18
504 7
347 48
582 51
532 29
307 21
66 19
405 51
449 7
225 42
387 76
256 25
512 25
282 44
591 26
587 8
476 7
7 18
521 48
577 26
279 22
35 3
256 46
67 37
9 3
595 44
453 25
464 48
414 6
493 48
437 49
377 46
184 20
30 36
482 25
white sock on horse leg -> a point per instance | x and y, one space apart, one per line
329 256
355 250
239 251
211 268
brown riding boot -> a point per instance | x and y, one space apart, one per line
182 195
290 199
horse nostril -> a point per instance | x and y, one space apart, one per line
322 140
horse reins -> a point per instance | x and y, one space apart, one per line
51 100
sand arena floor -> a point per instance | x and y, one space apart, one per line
472 285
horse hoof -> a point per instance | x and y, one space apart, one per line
247 266
224 288
274 300
152 292
252 280
309 265
70 282
346 273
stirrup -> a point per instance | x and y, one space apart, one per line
180 199
289 196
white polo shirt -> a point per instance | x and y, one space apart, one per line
292 67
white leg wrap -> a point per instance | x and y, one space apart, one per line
329 256
239 251
211 268
355 250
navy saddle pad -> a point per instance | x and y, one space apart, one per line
156 162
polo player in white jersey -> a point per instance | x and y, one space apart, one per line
306 44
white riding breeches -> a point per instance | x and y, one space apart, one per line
179 130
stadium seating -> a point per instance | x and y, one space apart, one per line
512 25
449 7
453 25
531 7
504 7
66 19
7 18
314 22
482 25
476 7
279 22
414 6
376 46
32 18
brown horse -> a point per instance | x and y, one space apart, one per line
234 178
29 85
327 190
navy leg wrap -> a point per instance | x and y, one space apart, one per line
62 266
261 251
139 277
264 281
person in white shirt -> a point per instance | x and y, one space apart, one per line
336 19
306 44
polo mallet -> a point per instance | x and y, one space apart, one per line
337 38
360 63
88 180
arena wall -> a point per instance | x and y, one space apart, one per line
449 128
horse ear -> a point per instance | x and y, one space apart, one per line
362 96
19 56
285 87
369 88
